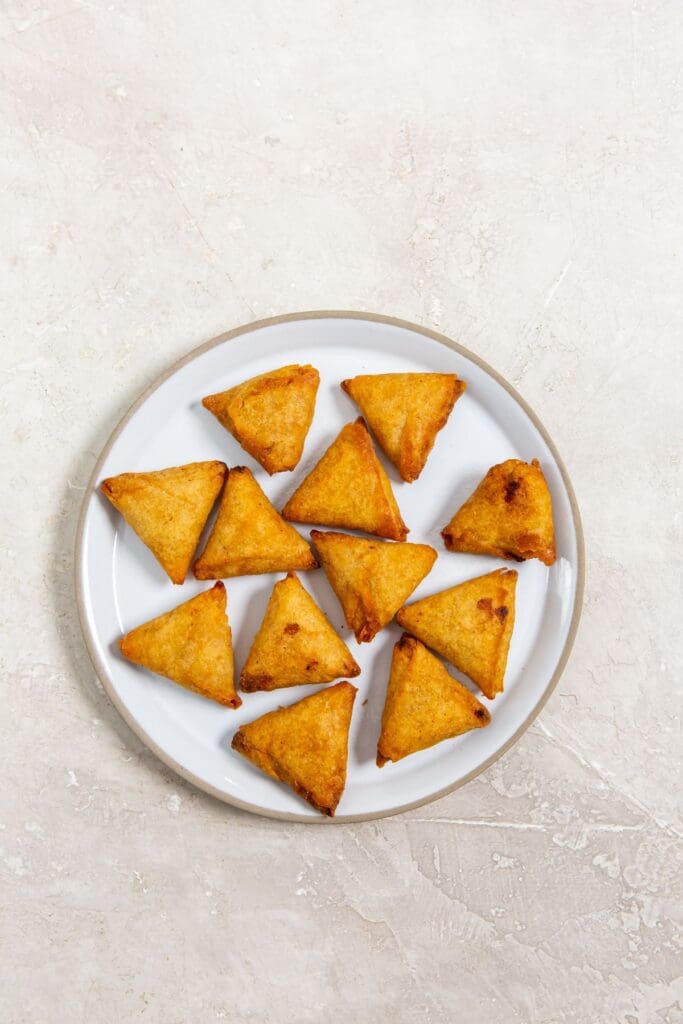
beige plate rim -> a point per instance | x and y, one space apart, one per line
79 555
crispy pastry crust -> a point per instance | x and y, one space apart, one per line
371 578
424 704
270 415
304 745
191 644
295 643
349 488
250 536
168 509
510 515
470 625
405 412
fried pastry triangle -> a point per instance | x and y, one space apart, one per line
295 643
349 487
270 414
371 578
405 412
191 644
168 508
510 515
424 704
470 625
250 536
304 745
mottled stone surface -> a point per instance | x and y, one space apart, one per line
508 173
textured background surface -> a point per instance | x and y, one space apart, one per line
507 173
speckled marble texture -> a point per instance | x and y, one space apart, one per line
507 173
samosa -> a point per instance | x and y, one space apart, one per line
295 643
371 578
168 509
405 412
510 515
270 415
191 644
304 745
424 704
470 625
349 488
250 536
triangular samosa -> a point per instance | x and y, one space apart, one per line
304 745
168 509
405 412
510 515
269 415
250 536
295 643
349 488
424 704
371 578
470 625
191 644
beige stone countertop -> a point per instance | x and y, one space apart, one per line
507 173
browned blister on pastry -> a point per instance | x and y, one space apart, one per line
295 643
250 536
349 488
304 745
269 415
168 509
191 644
510 515
470 625
424 704
405 412
371 578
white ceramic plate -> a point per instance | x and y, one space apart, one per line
119 583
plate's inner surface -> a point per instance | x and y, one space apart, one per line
124 586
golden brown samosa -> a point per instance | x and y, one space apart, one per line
510 515
405 412
295 643
191 644
250 536
168 509
371 578
270 415
349 488
304 745
470 625
424 704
